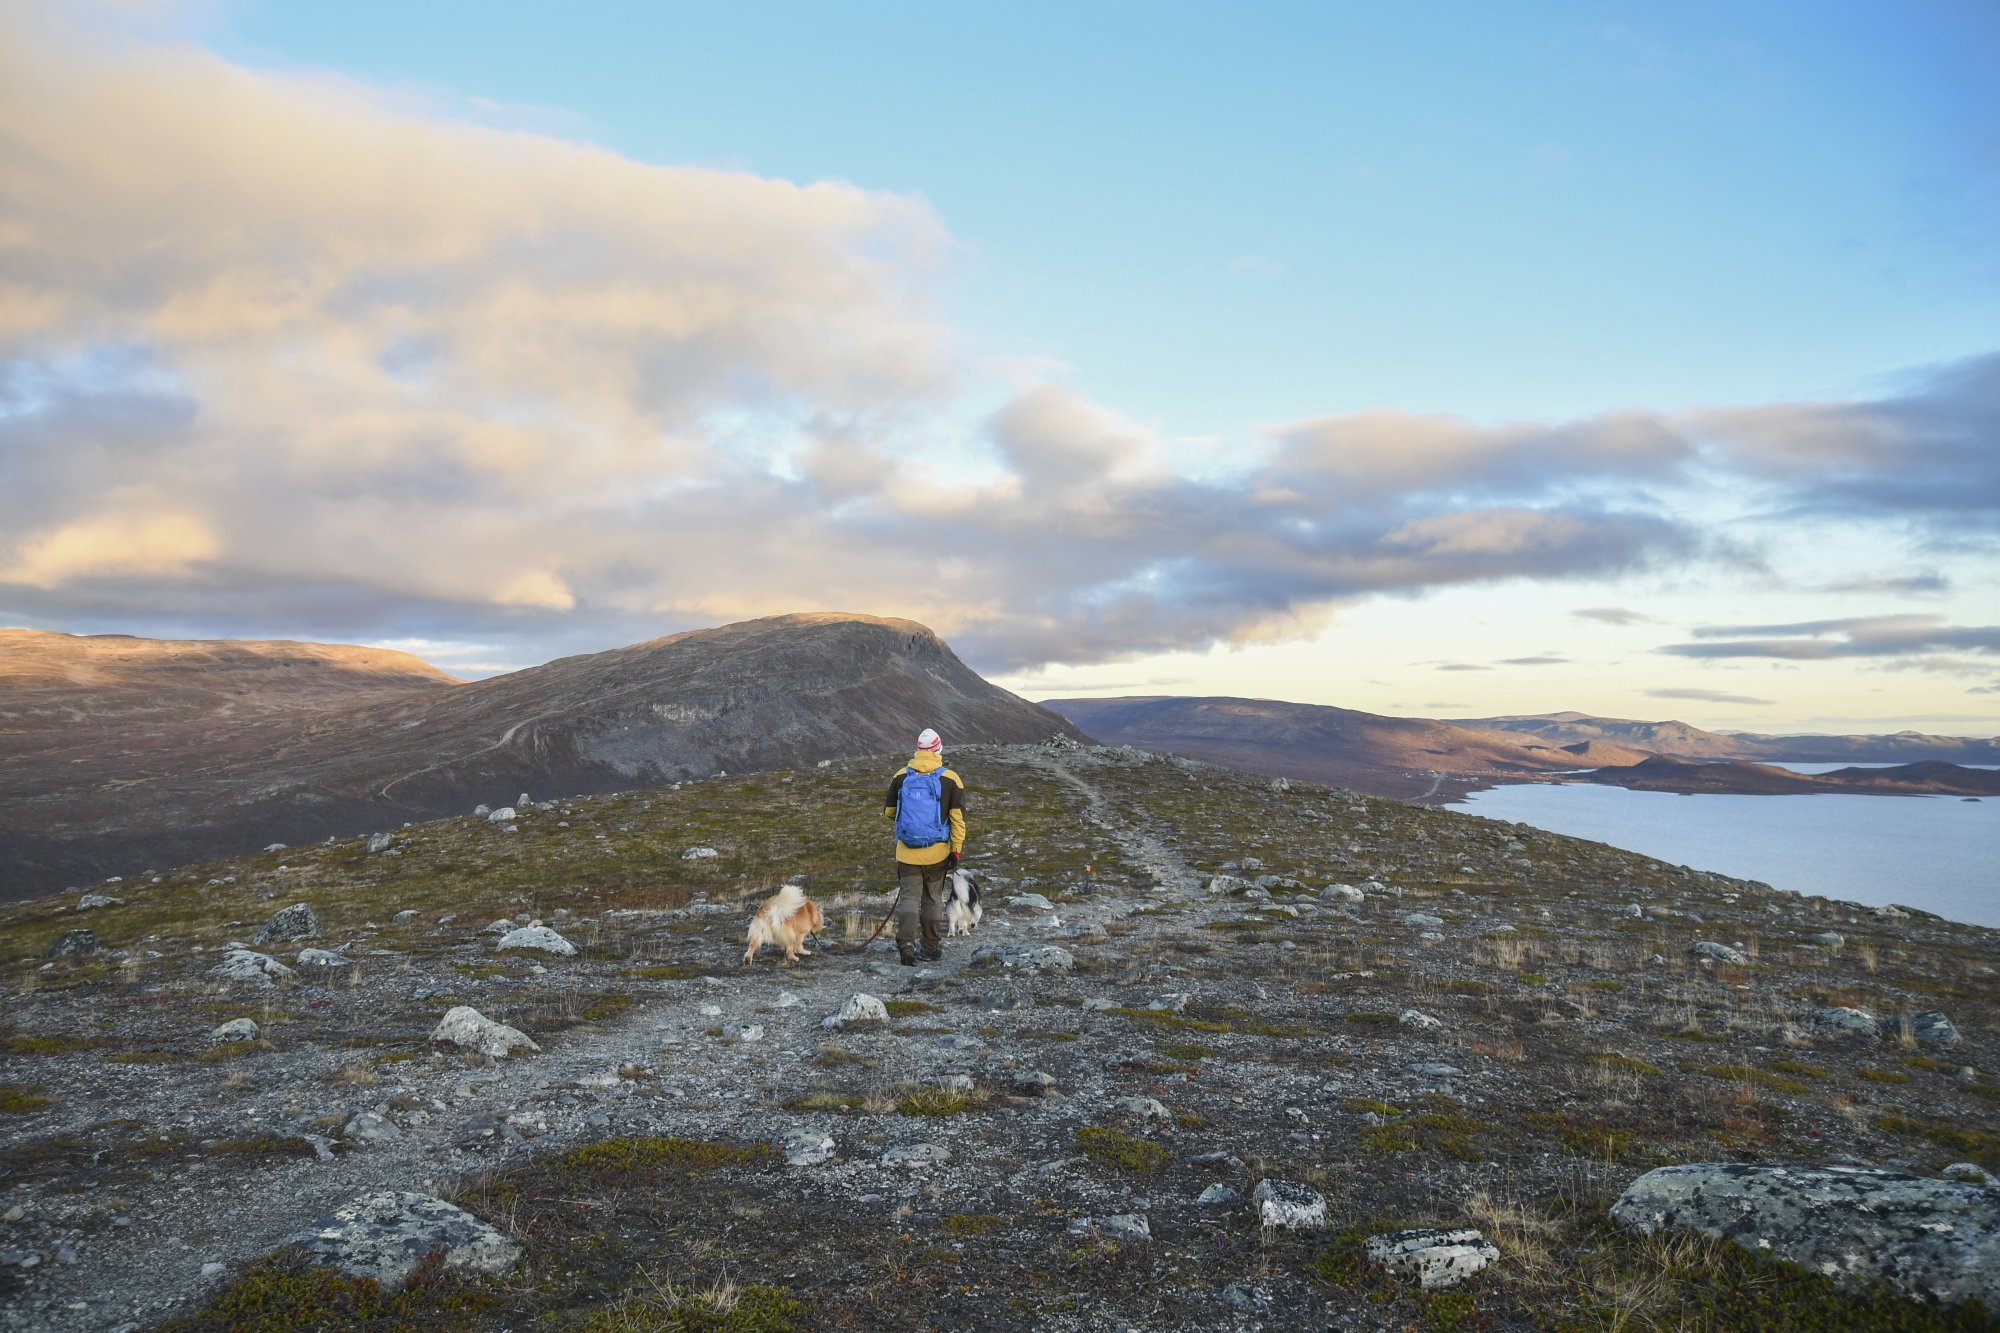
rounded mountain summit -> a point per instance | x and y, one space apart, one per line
247 743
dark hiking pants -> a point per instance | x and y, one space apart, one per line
920 903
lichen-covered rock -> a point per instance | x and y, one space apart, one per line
236 1029
92 901
1288 1205
1933 1029
367 1130
1423 920
1418 1021
1830 939
1023 957
326 958
465 1026
1839 1021
700 854
858 1008
806 1147
72 944
1341 893
247 965
1721 953
1931 1238
296 922
1145 1108
539 938
385 1235
381 842
915 1156
1217 1195
1126 1228
1435 1258
500 816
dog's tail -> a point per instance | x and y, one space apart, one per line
788 900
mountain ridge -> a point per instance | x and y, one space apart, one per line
86 792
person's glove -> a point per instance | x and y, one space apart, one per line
951 861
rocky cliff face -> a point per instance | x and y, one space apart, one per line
230 755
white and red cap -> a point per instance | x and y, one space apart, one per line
930 740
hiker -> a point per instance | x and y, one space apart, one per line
927 801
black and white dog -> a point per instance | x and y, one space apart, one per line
961 903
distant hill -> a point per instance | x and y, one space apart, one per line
1388 756
1685 742
1932 777
120 754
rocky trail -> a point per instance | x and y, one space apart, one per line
1214 1033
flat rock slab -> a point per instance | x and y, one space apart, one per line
1935 1238
385 1235
1024 957
259 969
1435 1258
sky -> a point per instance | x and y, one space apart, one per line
1451 360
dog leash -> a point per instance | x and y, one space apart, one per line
884 922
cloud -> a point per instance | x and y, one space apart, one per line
1463 666
1712 697
1927 451
288 353
1910 584
1612 615
1544 659
1855 636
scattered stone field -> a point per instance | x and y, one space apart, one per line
1215 1039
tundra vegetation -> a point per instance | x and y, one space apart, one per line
1217 1021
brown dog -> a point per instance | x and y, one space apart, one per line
785 919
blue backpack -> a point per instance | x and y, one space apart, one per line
920 817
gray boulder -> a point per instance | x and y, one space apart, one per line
381 842
1721 953
1418 1021
296 922
73 944
1423 920
462 1025
385 1235
1840 1021
1930 1238
1933 1029
236 1029
246 965
367 1130
539 938
1341 893
91 901
1830 939
500 816
323 958
1126 1228
916 1156
1435 1258
1288 1205
859 1007
806 1147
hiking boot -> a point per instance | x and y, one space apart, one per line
908 954
932 955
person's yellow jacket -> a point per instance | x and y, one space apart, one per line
952 790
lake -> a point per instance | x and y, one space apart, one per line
1940 853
